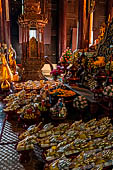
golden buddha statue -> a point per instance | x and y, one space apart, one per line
12 61
6 76
6 72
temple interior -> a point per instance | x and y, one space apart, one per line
56 84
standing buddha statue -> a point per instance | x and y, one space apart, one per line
12 63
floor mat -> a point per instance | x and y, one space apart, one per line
9 135
2 119
9 158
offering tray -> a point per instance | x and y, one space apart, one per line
28 122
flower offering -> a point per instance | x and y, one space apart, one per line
80 102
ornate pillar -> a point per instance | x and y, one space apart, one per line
83 26
90 28
4 22
27 42
62 26
42 46
41 43
1 22
7 23
22 42
110 9
80 24
8 38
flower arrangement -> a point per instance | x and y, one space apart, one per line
109 66
42 106
108 91
80 102
100 62
66 56
62 92
56 72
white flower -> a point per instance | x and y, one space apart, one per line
77 103
84 98
79 97
108 87
74 105
110 94
105 93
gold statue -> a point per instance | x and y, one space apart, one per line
6 72
6 75
12 61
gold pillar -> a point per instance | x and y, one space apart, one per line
91 29
110 9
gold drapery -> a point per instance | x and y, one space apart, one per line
6 72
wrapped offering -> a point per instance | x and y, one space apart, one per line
32 130
27 143
76 146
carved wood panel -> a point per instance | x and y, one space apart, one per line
105 47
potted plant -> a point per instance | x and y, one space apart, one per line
80 102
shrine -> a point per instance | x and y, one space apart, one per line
32 23
56 85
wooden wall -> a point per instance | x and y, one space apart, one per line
100 16
51 38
